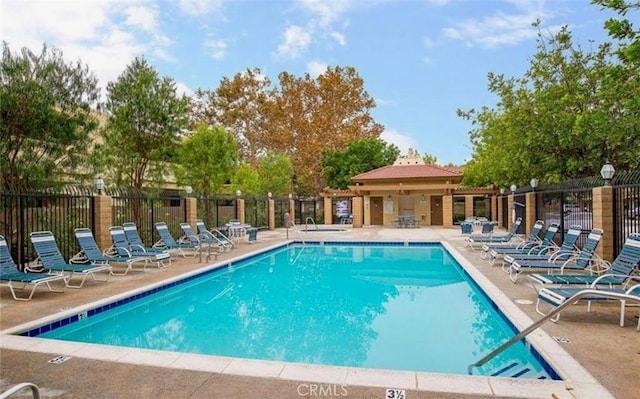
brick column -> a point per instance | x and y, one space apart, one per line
103 219
357 211
500 211
328 211
240 210
603 219
191 205
447 210
510 213
292 210
272 214
468 206
530 211
494 207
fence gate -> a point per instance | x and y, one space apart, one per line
626 207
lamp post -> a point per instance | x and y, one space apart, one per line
188 190
513 188
238 193
533 183
99 185
502 191
607 173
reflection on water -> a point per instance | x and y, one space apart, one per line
388 307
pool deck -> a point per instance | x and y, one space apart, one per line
600 359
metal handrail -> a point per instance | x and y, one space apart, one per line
558 309
295 227
306 223
35 391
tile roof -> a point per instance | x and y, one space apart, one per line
407 172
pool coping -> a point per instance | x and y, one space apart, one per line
576 381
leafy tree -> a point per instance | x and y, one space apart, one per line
315 114
429 159
360 156
563 119
142 131
206 160
273 174
623 28
45 117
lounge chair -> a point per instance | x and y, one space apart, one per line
203 231
252 235
494 238
122 248
533 246
168 242
532 240
210 241
135 242
585 260
549 251
557 296
90 253
617 273
13 278
52 260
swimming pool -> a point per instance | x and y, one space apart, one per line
388 306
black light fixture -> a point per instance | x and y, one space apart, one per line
188 190
513 188
533 183
607 173
99 185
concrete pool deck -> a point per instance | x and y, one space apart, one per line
600 347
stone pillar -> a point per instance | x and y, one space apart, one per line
191 206
500 212
271 218
240 210
530 211
357 211
468 206
447 210
328 211
103 219
494 207
603 219
292 210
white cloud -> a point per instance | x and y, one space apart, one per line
402 141
296 41
182 88
315 68
144 18
197 7
339 37
326 12
216 48
501 28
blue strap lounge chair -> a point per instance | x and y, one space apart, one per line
168 242
494 238
203 231
121 248
549 250
90 253
210 240
624 266
135 242
13 278
532 240
52 260
585 260
557 296
534 246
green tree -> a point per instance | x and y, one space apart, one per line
360 156
206 160
46 117
623 29
429 159
143 128
273 174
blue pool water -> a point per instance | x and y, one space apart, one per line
382 306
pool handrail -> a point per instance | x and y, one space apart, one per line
558 309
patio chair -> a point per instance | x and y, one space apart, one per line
494 238
533 246
13 278
549 250
466 227
52 260
585 260
122 248
211 241
168 242
90 253
557 296
618 272
203 231
517 243
135 242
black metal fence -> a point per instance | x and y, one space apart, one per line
281 206
309 207
256 212
57 211
145 210
506 212
217 211
626 207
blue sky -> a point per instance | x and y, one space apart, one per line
420 60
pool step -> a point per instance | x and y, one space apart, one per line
517 370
